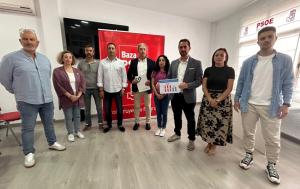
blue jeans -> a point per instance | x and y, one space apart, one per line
108 97
72 119
162 111
98 102
29 114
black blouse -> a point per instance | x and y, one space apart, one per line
217 78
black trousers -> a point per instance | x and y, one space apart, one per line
108 97
178 104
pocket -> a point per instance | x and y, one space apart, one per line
20 106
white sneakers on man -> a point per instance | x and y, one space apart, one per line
58 147
29 160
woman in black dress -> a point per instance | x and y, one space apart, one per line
215 116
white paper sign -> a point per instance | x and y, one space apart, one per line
168 86
141 79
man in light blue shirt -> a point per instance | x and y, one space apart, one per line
26 74
264 92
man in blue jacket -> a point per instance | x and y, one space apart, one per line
264 91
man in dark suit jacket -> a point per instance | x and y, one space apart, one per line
189 73
138 67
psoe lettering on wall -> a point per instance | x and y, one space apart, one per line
263 23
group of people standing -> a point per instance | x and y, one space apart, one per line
263 92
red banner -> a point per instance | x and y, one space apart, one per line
126 50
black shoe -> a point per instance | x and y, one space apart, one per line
106 129
136 126
147 127
272 173
121 128
247 162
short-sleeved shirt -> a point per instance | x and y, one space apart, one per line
217 78
90 72
158 76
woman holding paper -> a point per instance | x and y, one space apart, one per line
160 72
215 116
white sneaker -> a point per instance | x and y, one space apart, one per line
79 135
157 133
71 138
57 146
29 160
162 133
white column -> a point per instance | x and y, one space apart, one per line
51 37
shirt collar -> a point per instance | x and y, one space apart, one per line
94 61
27 54
274 52
112 60
144 60
184 62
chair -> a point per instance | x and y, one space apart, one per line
6 119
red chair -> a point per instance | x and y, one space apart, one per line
5 120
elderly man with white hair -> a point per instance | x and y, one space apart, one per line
26 74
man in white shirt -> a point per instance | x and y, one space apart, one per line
141 67
112 82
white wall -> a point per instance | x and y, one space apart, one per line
47 25
226 31
9 42
145 21
138 20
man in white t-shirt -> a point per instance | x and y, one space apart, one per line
264 92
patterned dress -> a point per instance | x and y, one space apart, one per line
215 124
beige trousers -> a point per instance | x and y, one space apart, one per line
137 105
270 127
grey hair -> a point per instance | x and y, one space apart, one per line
23 30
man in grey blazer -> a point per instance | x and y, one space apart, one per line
189 73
